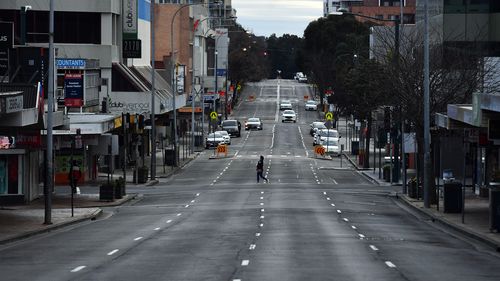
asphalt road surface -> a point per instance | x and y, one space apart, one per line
316 219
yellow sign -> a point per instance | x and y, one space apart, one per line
213 115
329 116
222 148
318 149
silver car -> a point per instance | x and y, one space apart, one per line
225 135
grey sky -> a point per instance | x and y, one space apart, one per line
265 17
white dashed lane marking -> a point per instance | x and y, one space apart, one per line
179 214
353 227
169 221
113 252
390 264
76 269
245 262
252 247
257 234
137 239
157 228
339 211
361 236
373 248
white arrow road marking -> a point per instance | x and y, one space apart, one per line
113 252
76 269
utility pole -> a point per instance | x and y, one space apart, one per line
50 170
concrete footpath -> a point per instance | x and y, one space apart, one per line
476 217
24 220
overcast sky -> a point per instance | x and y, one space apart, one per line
265 17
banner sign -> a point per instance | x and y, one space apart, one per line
73 90
131 48
130 15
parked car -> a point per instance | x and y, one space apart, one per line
323 134
331 146
288 116
316 125
311 105
233 127
226 136
253 123
285 104
213 140
297 75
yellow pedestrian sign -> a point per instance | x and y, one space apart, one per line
213 115
329 116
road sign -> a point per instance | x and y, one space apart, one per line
213 115
222 148
329 116
319 149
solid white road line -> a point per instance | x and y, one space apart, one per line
76 269
138 238
390 264
113 252
245 262
373 248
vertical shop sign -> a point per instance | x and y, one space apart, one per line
130 15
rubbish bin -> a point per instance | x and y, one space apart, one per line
354 147
452 197
495 208
170 157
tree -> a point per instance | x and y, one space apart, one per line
327 43
282 53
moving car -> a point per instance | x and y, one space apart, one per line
285 104
226 136
332 146
316 125
233 127
213 140
323 134
288 116
253 123
311 105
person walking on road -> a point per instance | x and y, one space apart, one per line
260 169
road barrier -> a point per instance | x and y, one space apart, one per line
222 148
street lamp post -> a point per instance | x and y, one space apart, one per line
173 76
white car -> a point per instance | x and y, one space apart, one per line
285 104
253 123
226 136
332 146
311 105
288 115
214 139
323 134
315 126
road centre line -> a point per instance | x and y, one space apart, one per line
373 248
113 252
78 268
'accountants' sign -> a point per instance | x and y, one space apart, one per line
71 63
129 15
